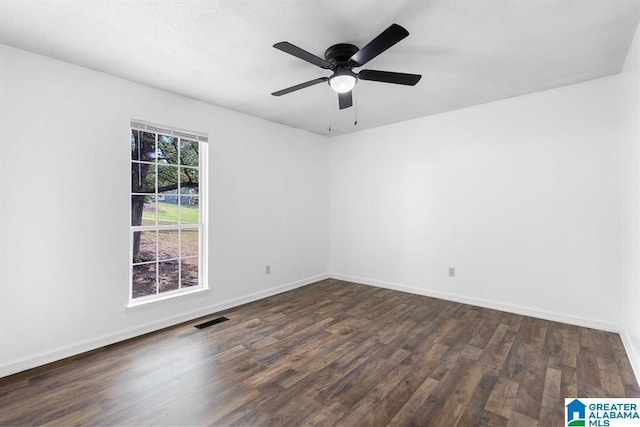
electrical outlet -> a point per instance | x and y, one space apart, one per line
452 272
267 269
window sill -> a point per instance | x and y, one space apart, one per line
136 307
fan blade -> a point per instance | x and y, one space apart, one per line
300 86
345 100
389 77
384 41
302 54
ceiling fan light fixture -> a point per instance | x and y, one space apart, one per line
342 83
342 58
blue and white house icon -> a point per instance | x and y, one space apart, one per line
575 410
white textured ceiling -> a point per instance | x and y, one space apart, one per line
468 51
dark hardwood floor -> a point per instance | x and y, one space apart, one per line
331 353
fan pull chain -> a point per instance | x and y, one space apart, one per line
330 102
354 93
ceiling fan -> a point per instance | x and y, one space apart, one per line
342 58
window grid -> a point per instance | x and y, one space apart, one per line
176 175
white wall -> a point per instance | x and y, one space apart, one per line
630 201
520 196
64 207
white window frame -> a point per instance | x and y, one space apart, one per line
201 226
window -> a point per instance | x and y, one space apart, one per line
167 211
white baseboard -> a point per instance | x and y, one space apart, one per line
480 302
633 353
43 358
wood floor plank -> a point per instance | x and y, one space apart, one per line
331 353
359 411
410 393
570 346
531 380
491 419
609 376
551 408
520 420
406 413
475 408
502 397
450 385
456 404
569 381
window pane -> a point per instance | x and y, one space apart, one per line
149 209
143 210
167 149
168 244
144 246
189 272
135 135
167 179
143 178
188 152
167 210
168 197
144 280
143 146
189 181
168 276
189 210
190 242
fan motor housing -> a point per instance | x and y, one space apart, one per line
339 54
